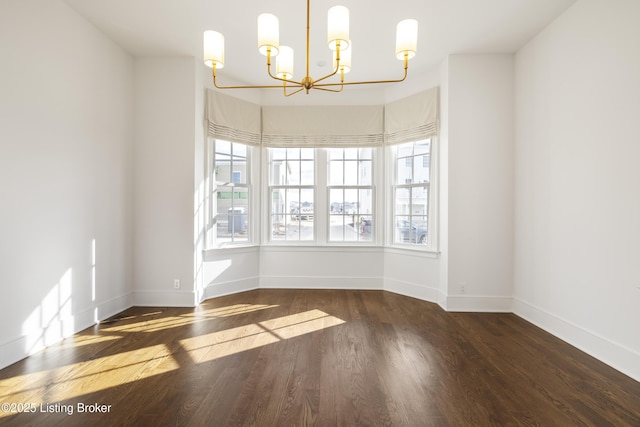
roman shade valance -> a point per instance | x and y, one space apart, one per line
412 118
409 119
321 126
232 119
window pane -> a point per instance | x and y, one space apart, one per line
292 214
336 153
365 153
223 168
306 204
405 150
422 147
411 215
403 171
351 153
307 175
293 153
419 229
278 153
239 150
336 176
403 201
350 214
223 147
402 232
421 168
336 217
350 172
292 172
277 174
232 222
307 153
239 172
365 172
419 201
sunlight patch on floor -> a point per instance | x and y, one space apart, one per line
215 345
233 310
187 319
87 377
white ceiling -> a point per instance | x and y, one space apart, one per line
174 27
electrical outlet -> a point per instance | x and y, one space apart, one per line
176 283
462 287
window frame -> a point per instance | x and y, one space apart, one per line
432 242
267 212
213 241
375 151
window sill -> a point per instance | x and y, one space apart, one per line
213 253
319 248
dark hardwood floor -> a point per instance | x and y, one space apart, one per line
321 357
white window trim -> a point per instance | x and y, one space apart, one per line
253 159
265 214
432 245
376 151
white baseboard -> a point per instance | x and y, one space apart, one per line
164 298
21 347
233 287
327 282
114 306
613 354
478 304
412 290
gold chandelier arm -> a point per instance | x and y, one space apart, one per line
323 87
406 67
300 89
215 83
329 90
334 71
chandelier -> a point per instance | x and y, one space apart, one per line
337 39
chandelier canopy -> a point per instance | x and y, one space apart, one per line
337 39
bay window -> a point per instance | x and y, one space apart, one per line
344 175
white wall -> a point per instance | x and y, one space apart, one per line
577 247
166 102
412 273
479 182
317 267
66 133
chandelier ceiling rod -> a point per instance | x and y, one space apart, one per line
338 40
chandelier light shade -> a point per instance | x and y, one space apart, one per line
406 38
284 63
338 40
213 49
338 27
268 34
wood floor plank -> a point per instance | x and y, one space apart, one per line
318 358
